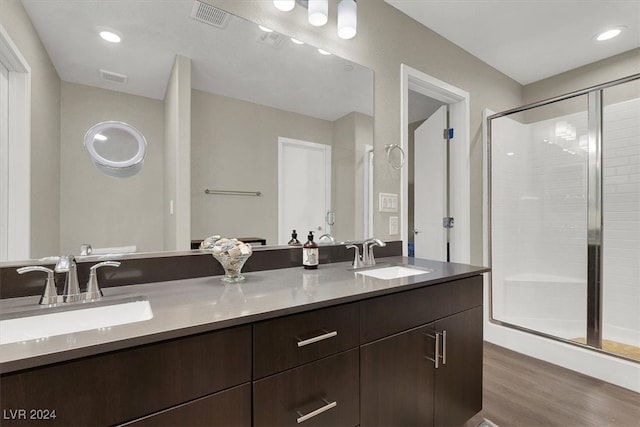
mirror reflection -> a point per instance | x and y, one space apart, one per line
261 113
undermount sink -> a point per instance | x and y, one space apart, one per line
393 272
48 322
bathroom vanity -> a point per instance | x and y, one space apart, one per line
330 347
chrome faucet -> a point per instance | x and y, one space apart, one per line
71 293
327 236
367 251
357 259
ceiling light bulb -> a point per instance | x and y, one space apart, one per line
318 12
284 5
609 34
324 52
100 137
347 19
265 29
296 41
110 36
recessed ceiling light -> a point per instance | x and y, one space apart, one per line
265 29
324 52
296 41
110 36
609 34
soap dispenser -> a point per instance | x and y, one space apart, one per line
294 239
310 253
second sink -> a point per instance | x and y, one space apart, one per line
393 272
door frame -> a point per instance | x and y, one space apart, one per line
327 155
459 104
15 196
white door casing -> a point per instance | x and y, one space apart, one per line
430 187
304 188
15 150
460 206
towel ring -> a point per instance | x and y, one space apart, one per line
398 160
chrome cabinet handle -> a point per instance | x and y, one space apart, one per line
329 405
444 347
436 359
331 334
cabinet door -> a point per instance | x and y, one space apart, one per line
458 380
396 376
229 408
322 393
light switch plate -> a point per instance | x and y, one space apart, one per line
393 225
387 202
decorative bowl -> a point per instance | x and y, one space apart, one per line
232 266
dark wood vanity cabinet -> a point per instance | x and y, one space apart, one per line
400 383
364 363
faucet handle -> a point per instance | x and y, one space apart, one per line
357 261
50 293
93 289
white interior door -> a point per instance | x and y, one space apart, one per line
430 187
4 161
304 188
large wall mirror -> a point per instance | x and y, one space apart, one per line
252 91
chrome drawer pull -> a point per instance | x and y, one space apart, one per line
318 338
318 411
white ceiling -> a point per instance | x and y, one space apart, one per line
529 40
239 60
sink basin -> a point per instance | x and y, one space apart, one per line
47 322
393 272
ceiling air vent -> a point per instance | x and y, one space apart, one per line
113 77
208 14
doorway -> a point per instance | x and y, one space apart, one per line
438 242
304 189
15 152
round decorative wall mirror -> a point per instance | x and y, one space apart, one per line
116 148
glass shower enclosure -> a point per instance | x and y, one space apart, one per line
564 217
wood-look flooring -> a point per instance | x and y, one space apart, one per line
520 391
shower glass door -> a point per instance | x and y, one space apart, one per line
539 165
564 217
621 220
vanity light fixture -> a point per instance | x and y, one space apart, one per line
284 5
609 34
296 41
318 14
265 29
324 52
110 36
347 19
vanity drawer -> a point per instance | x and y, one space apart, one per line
124 385
321 393
290 341
390 314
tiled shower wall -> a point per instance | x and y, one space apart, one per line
539 221
621 188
